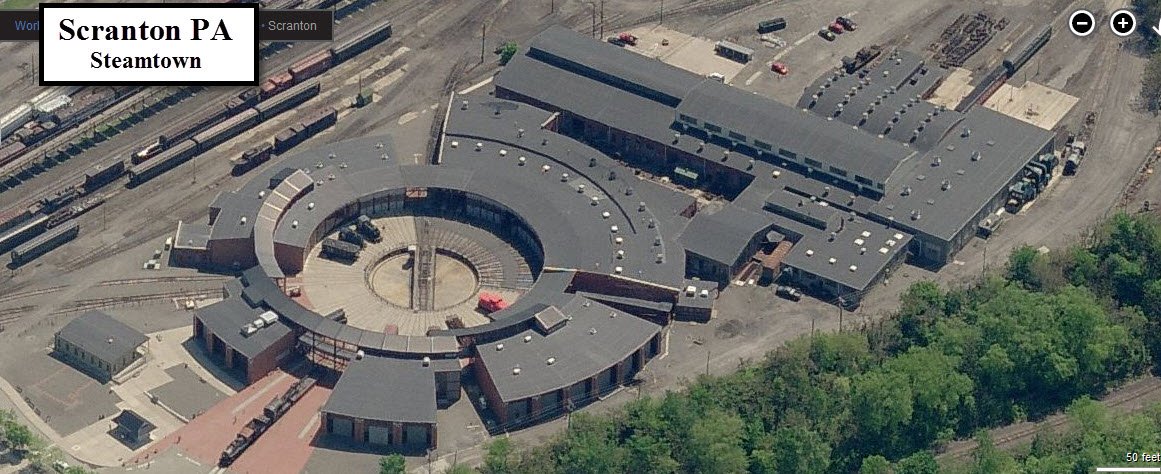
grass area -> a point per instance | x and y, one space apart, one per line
19 4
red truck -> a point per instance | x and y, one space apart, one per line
490 303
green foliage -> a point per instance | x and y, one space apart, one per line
507 51
500 457
392 464
1151 83
875 465
460 469
19 436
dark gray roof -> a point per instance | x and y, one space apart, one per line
628 302
762 118
590 342
131 421
385 389
897 84
860 250
103 337
226 318
1005 145
723 235
608 62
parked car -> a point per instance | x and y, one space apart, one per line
836 28
780 68
826 34
717 76
788 292
847 23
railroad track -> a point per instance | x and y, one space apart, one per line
26 294
100 303
172 279
1003 438
8 315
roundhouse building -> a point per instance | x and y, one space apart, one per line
382 401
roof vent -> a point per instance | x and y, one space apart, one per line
833 235
641 206
503 152
592 331
564 177
527 339
883 250
426 361
516 370
499 347
550 360
906 191
620 254
725 155
676 137
859 241
310 206
455 144
612 314
967 132
854 268
700 146
831 260
580 188
243 221
545 168
464 105
618 270
945 185
261 194
809 253
379 145
704 293
776 174
915 215
359 355
595 200
294 225
318 165
605 214
619 240
656 241
862 250
613 229
652 223
520 133
976 155
660 258
479 146
331 156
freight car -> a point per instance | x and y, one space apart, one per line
166 161
45 243
311 66
293 97
9 221
97 176
11 151
318 121
226 130
339 250
22 233
251 158
352 47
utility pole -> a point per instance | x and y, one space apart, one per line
602 19
661 17
594 29
483 36
552 7
707 361
840 305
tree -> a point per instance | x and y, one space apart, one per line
875 465
498 459
714 444
392 464
19 436
460 469
507 51
922 462
1151 83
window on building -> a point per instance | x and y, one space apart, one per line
713 128
810 162
838 171
788 154
862 180
686 119
879 185
763 145
737 136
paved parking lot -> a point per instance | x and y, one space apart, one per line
188 394
66 398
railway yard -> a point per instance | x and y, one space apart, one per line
102 196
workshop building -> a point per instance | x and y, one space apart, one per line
99 345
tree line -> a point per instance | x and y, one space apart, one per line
1149 11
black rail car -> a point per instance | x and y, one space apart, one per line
98 176
22 233
169 159
290 99
226 130
1017 60
339 250
352 47
45 243
251 158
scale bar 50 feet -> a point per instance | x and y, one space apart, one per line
1128 469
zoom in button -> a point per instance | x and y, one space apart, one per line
1123 23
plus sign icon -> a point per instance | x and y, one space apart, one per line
1123 23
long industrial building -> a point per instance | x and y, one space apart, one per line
565 190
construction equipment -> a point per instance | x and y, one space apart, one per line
862 58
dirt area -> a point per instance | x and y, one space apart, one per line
1034 103
684 51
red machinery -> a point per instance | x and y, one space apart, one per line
491 303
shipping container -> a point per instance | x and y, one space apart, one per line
351 48
45 243
23 232
166 161
226 130
292 98
311 66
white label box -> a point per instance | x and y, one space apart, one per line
149 44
